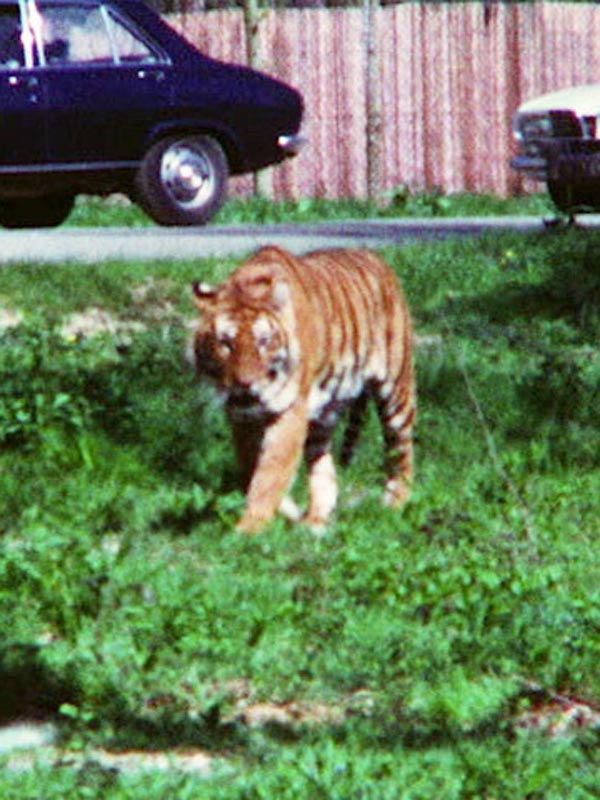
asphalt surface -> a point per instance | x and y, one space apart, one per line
92 245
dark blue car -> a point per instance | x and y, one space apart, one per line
101 96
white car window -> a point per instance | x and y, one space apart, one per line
74 34
127 45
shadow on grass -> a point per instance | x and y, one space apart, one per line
570 292
530 349
28 690
31 692
173 731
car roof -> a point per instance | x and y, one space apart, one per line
122 3
134 7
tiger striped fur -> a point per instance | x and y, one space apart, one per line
291 342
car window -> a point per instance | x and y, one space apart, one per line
11 40
128 46
73 34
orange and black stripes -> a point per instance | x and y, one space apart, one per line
307 338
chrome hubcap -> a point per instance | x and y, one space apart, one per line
187 175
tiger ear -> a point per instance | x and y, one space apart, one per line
257 289
267 289
204 294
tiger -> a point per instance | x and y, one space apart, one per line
291 342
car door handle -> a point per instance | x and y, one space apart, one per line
30 81
151 74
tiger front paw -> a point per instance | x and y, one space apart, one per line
251 524
397 492
317 525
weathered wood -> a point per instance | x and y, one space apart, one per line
451 76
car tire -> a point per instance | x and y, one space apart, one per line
182 180
570 197
43 211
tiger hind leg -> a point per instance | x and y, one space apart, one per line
397 413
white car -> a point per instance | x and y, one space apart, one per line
559 143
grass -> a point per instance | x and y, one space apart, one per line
116 210
134 614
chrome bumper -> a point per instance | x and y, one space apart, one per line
535 167
291 144
565 159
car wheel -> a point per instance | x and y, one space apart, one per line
183 180
44 211
574 196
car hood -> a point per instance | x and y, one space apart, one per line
584 101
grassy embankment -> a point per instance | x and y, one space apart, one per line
410 645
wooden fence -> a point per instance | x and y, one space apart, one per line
451 77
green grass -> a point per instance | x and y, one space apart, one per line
132 612
116 210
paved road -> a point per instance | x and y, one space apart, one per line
88 245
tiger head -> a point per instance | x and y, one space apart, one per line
245 342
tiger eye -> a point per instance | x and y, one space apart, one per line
263 342
225 345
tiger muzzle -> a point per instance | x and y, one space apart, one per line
243 398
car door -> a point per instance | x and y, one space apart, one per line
22 97
105 82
